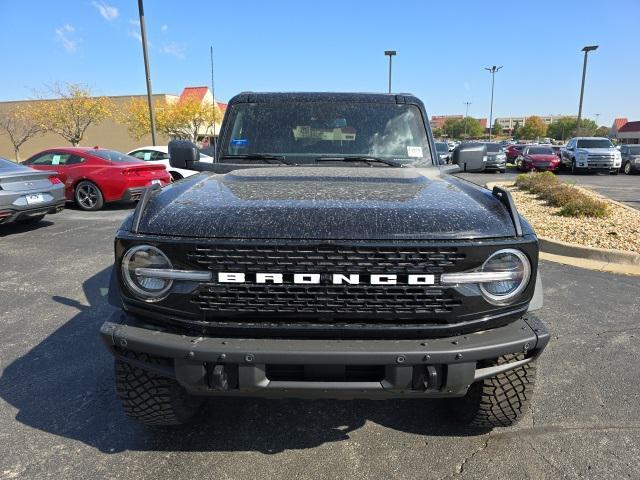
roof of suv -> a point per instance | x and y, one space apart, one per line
260 97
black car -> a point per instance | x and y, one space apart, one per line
442 150
328 255
630 158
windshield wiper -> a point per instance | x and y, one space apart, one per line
259 156
360 158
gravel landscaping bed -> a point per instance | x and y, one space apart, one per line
619 230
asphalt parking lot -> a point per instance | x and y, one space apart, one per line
622 188
60 418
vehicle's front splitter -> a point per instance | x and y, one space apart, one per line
438 367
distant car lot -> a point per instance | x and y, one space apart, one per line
59 415
622 188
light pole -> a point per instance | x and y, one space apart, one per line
466 114
597 115
586 51
143 35
213 94
390 53
493 71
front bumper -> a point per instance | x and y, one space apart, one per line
434 367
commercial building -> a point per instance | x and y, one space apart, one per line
509 123
629 133
108 133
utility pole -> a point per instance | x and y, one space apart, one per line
213 94
493 71
597 115
390 53
143 34
586 51
466 114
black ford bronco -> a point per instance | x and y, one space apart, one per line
326 253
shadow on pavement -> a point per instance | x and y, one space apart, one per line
23 227
64 386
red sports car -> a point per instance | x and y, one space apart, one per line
537 158
94 176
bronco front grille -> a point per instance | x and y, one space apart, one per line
325 259
324 299
319 299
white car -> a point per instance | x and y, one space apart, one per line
160 155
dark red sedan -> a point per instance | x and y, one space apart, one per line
513 151
537 158
94 176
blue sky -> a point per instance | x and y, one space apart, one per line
337 46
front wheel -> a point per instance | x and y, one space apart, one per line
151 398
627 168
574 170
498 401
88 196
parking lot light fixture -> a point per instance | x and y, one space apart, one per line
586 50
493 71
390 53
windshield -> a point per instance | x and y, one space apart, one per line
541 151
594 143
493 147
442 147
306 131
113 156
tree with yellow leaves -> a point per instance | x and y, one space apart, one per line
19 127
70 112
185 119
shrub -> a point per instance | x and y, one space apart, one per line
571 201
585 206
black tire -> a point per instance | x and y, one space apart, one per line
614 172
29 220
574 170
88 196
627 168
151 398
498 401
504 170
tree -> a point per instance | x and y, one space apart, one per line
438 132
185 119
533 127
515 133
566 127
70 112
19 127
455 128
602 132
497 128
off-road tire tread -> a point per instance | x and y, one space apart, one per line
150 398
498 401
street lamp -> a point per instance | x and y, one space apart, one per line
586 51
390 53
493 71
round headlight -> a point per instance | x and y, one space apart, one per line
147 288
510 261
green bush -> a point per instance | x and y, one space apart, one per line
571 201
585 206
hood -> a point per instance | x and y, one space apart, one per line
326 203
597 150
539 157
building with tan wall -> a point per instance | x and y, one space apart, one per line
106 134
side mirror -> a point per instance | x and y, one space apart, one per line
183 154
470 157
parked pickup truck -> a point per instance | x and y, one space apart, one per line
590 154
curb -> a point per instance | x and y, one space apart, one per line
593 258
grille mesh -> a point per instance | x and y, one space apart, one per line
324 299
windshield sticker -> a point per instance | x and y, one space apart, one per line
147 156
55 160
414 152
239 142
328 134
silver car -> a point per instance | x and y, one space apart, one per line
27 195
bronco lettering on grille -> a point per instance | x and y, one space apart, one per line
335 278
